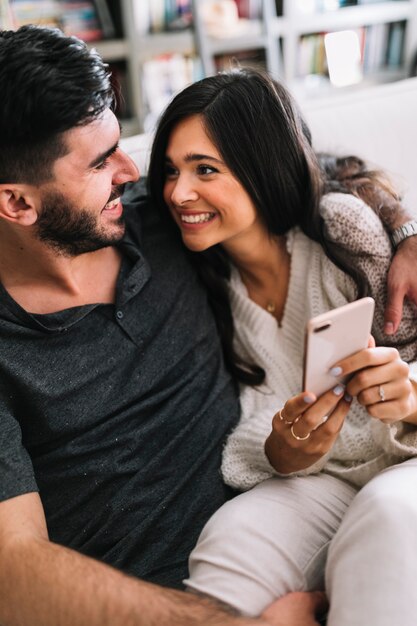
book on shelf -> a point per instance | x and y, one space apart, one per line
142 17
371 1
377 1
249 9
311 55
222 20
162 77
81 19
395 47
178 15
165 15
116 14
334 5
321 6
157 15
105 19
375 48
43 13
380 46
250 58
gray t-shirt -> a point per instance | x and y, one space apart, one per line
117 413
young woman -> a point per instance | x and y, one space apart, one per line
232 161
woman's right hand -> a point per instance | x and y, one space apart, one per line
306 428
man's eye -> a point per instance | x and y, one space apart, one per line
102 165
204 170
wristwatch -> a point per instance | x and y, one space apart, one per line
406 230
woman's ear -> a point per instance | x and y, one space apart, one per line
18 204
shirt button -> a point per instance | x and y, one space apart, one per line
119 315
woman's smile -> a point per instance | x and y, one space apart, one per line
195 219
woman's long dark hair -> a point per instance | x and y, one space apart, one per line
257 128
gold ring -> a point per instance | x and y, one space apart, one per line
282 418
381 393
296 436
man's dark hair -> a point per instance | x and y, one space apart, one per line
49 83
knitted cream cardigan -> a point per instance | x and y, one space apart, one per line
365 445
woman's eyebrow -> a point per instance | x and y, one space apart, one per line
190 157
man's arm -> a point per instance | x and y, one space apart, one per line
297 609
401 282
44 584
402 275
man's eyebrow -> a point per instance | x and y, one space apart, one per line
105 155
190 157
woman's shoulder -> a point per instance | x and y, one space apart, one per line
298 242
352 224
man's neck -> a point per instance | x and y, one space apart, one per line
41 281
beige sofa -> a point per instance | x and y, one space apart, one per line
378 123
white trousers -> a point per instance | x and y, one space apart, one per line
289 534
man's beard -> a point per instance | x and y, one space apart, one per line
71 231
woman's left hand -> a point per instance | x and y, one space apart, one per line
381 384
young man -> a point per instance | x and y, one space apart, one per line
114 402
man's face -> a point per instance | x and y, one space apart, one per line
80 209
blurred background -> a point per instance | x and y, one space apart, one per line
156 47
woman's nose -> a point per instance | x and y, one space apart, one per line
183 192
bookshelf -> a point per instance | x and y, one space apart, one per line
385 30
229 41
292 34
155 47
162 54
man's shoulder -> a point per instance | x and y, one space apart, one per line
136 193
149 228
139 210
136 203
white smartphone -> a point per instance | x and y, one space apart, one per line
331 337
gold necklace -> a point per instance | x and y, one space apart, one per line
270 307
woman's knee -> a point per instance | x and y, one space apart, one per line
264 543
388 499
383 513
238 559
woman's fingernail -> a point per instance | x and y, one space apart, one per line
348 397
308 399
336 371
338 390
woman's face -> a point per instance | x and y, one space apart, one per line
206 200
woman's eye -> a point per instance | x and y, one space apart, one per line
170 172
204 170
